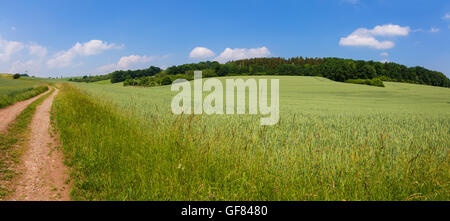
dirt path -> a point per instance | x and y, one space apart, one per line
8 114
42 174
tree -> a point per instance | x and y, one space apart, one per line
166 81
16 76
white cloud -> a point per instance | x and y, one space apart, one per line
92 47
31 66
357 40
434 30
242 53
132 60
365 37
446 16
37 50
384 54
34 63
18 57
8 48
61 59
390 30
201 52
384 61
106 68
129 62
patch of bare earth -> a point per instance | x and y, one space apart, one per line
9 114
42 173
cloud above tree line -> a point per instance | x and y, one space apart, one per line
230 54
92 47
363 37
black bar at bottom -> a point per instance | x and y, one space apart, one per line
228 209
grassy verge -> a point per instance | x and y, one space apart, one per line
20 95
11 142
116 155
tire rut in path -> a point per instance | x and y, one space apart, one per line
42 173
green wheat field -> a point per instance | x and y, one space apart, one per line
12 91
334 141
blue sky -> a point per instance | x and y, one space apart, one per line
68 38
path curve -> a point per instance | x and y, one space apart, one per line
42 173
9 114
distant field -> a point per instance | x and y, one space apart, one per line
10 84
335 141
2 75
15 90
103 82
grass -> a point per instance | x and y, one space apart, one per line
374 82
12 91
11 142
335 141
108 81
4 75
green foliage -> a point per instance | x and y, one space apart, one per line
89 79
157 80
166 81
16 76
181 69
119 76
336 69
103 82
373 82
334 142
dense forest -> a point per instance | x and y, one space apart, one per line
119 76
337 69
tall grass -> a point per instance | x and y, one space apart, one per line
122 151
12 91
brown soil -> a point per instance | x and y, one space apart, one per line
9 114
42 174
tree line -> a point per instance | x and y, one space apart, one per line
337 69
119 76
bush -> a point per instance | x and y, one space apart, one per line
373 82
119 76
89 79
16 76
376 82
166 81
209 73
129 82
